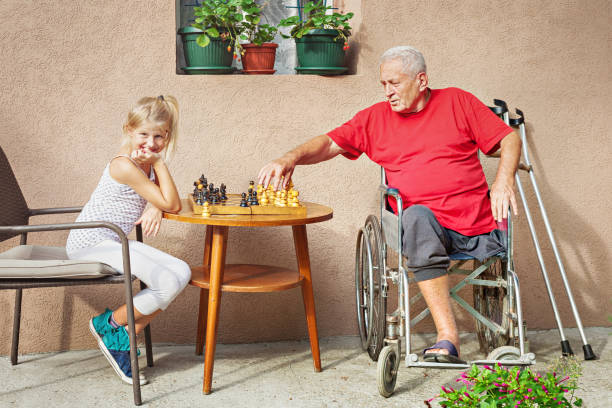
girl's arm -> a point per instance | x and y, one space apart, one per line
165 196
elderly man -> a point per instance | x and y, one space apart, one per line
427 142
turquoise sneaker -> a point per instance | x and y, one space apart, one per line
99 325
115 345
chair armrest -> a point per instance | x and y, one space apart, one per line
21 229
59 210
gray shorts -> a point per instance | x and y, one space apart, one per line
427 245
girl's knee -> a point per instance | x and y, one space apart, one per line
173 282
183 273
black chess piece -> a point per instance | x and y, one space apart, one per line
243 202
254 199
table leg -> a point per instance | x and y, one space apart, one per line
301 249
217 266
203 310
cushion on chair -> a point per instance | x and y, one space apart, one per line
34 261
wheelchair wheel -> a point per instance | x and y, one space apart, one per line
386 370
371 304
505 353
492 303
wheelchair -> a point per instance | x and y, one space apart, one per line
496 298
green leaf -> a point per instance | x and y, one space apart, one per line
203 40
578 402
213 32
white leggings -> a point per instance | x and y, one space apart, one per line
164 275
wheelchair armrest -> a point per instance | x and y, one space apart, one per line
59 210
393 192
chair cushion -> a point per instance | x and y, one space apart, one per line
34 261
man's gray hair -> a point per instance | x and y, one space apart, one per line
411 58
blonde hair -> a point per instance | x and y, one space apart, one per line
161 111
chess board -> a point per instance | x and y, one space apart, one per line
232 206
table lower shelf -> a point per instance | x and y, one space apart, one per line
249 278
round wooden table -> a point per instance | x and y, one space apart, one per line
214 276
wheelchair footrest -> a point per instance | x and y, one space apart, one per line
412 360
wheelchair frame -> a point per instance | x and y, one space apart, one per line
398 323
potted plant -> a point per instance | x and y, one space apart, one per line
321 39
209 43
259 54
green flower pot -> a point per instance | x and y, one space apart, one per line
318 53
214 57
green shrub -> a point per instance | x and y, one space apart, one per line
497 387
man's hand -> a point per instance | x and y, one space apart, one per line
502 195
316 150
502 190
150 220
273 171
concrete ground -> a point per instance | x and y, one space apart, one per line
270 375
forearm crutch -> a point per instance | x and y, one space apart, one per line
526 166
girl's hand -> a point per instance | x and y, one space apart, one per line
145 156
150 221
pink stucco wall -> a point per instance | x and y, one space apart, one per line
70 70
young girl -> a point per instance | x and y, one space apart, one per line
137 175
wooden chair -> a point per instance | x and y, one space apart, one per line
32 266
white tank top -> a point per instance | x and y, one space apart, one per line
112 202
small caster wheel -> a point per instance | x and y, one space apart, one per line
388 363
504 353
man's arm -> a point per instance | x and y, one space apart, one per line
316 150
502 190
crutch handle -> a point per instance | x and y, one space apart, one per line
518 121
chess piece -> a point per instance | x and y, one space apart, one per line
260 189
264 199
205 209
293 198
243 202
254 199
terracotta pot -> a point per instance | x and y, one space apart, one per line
259 59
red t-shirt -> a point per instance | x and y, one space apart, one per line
431 156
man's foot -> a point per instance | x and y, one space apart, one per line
442 352
115 345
